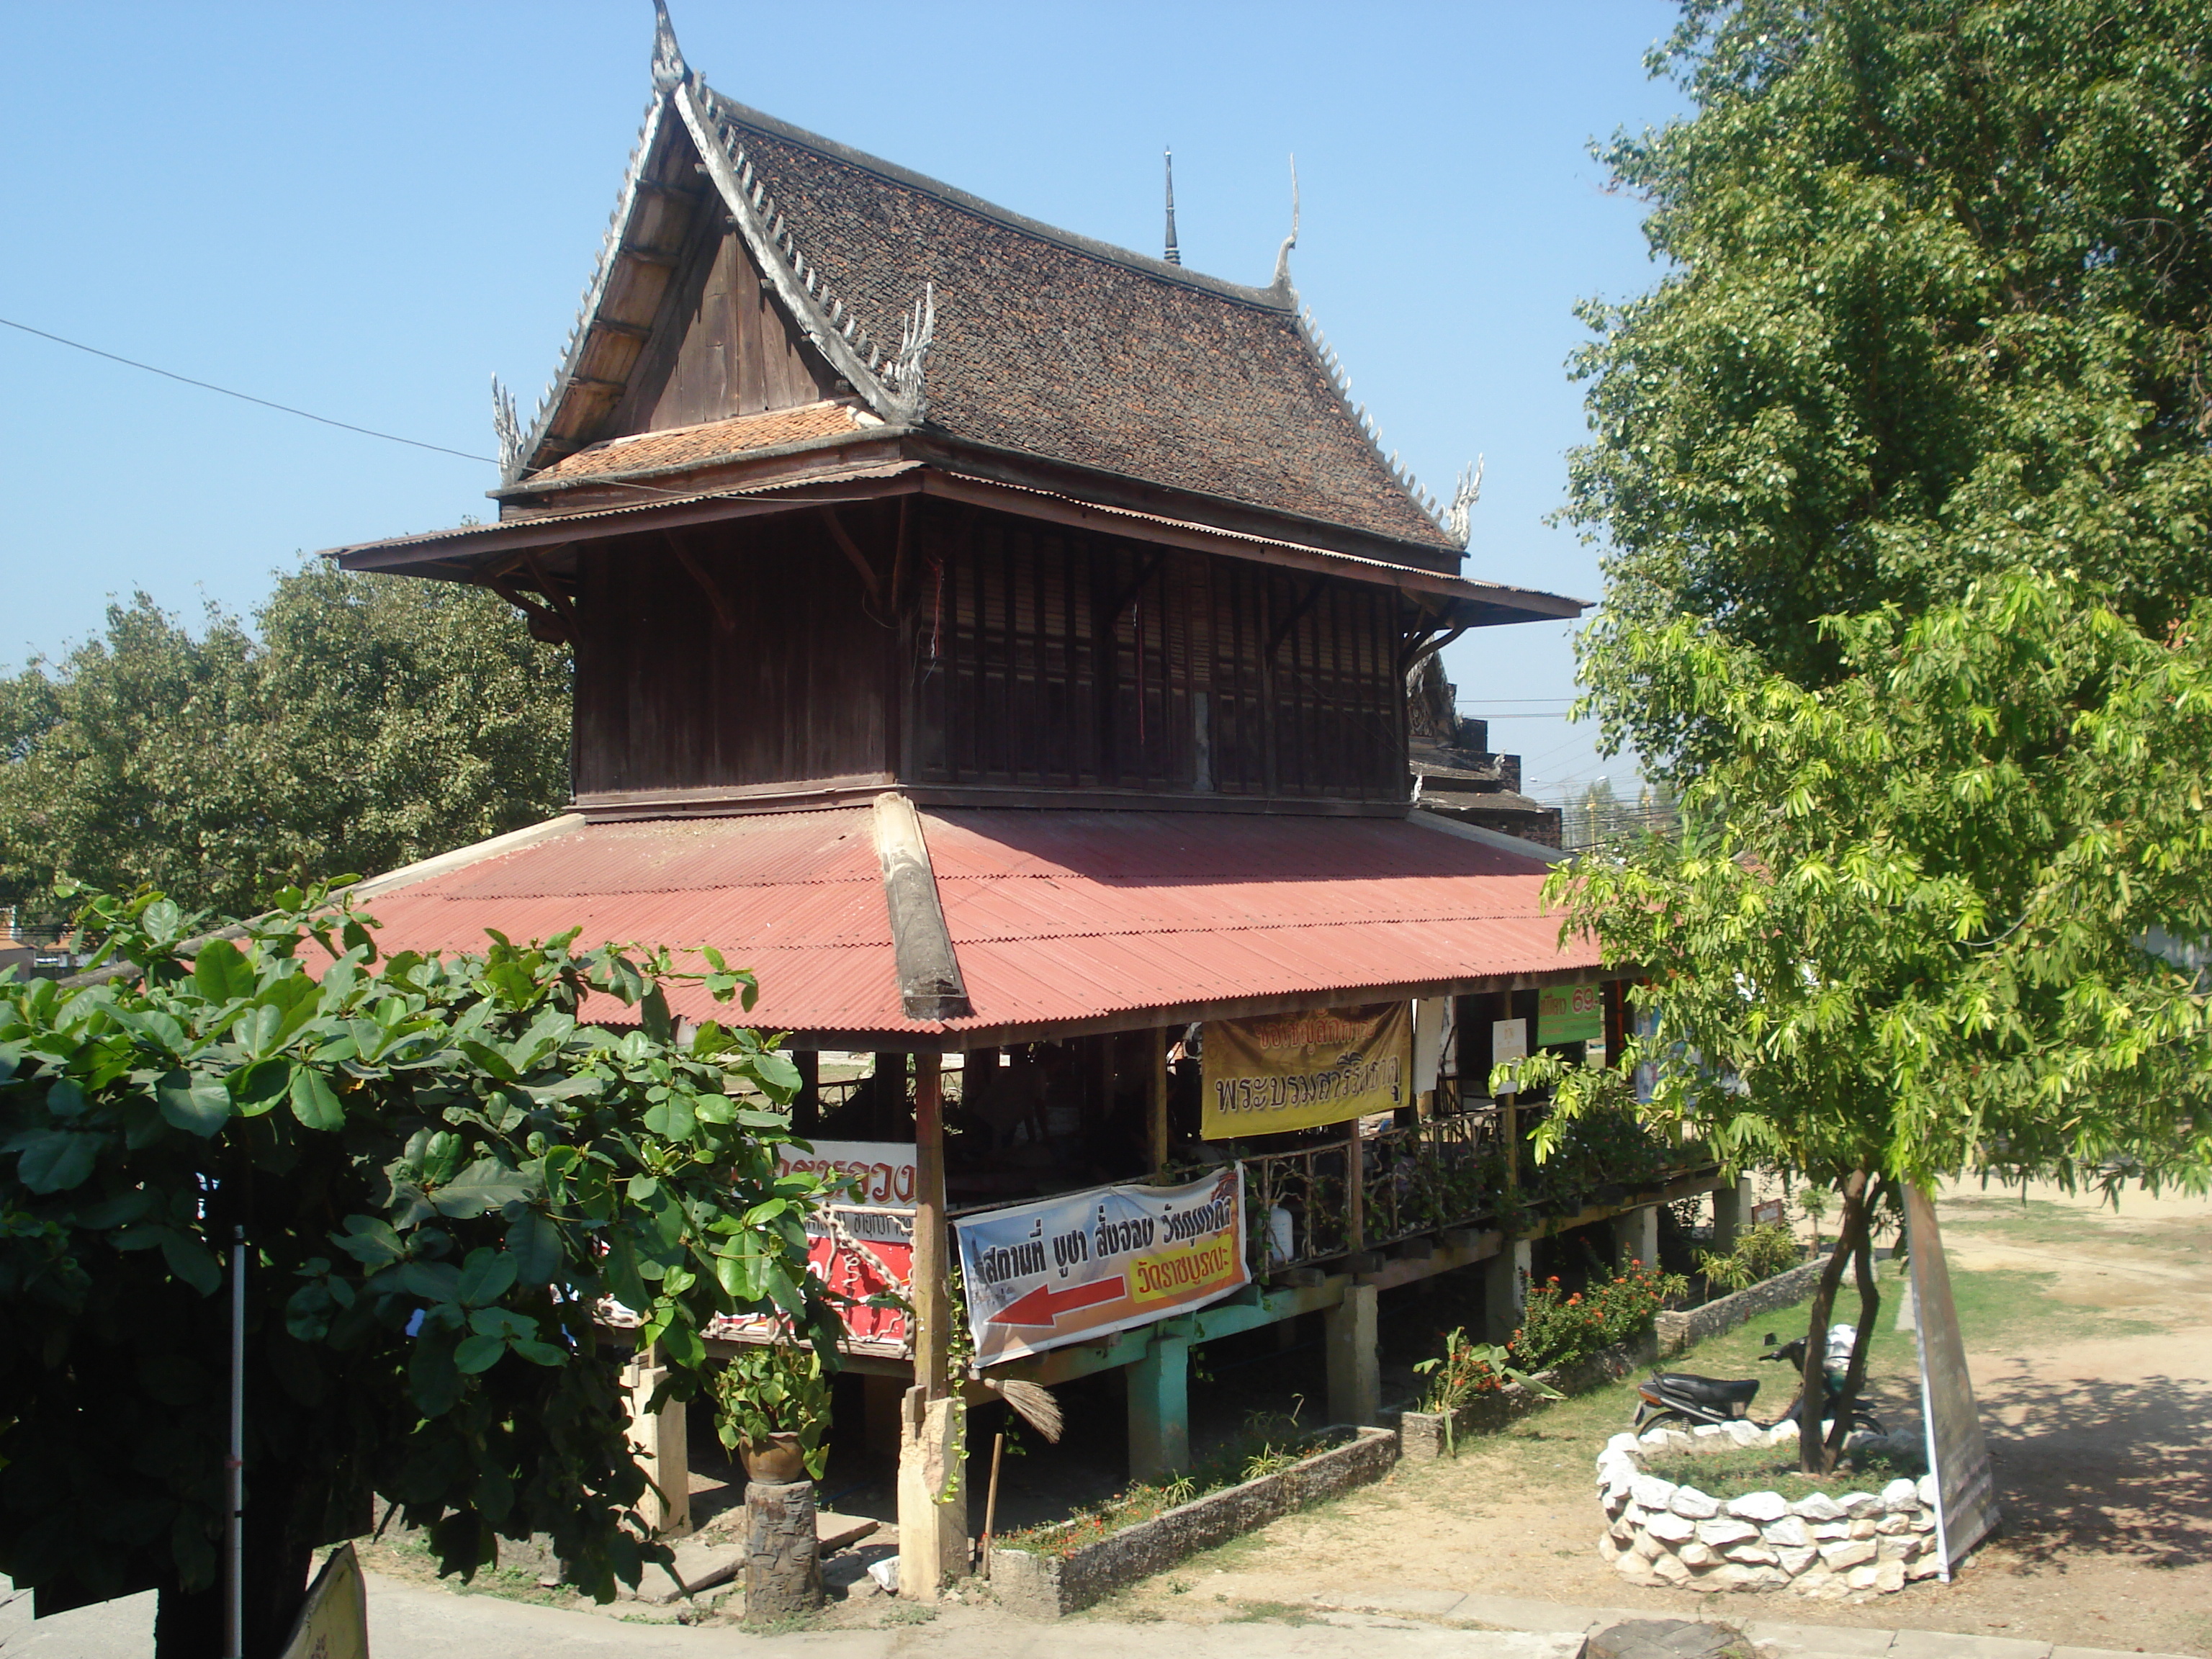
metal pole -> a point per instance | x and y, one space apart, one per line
234 1541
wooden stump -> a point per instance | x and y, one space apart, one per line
783 1569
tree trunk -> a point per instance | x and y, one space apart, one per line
188 1625
1812 1383
1869 1312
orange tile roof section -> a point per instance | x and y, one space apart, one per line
683 445
1057 917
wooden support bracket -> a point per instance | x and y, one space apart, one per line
852 552
723 617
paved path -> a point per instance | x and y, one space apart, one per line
407 1622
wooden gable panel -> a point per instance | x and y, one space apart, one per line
720 347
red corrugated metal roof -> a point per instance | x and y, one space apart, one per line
1056 916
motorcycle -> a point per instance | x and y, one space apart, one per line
1679 1399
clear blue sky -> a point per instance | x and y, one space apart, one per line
365 210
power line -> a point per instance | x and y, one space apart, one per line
244 397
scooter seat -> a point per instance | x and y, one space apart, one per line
1710 1391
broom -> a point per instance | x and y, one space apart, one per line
1034 1404
1031 1402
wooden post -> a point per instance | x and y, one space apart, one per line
1355 1184
806 1104
1156 1101
931 1296
932 1500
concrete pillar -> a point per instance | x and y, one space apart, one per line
933 1495
783 1566
1636 1236
1159 1407
1505 1289
657 1437
1355 1368
1731 1214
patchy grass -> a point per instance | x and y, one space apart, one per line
1999 1305
1770 1468
1272 1612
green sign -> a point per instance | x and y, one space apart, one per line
1570 1013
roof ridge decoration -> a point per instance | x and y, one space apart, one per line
1452 520
891 385
834 331
595 289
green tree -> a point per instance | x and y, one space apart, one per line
1904 468
1935 306
365 722
440 1175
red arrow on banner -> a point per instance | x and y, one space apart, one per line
1044 1305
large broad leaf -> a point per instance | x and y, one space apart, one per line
191 1261
486 1276
777 1074
370 1241
258 1087
55 1160
478 1353
314 1102
220 972
198 1105
486 1184
670 1118
432 1376
534 1244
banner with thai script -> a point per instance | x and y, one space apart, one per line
1570 1013
860 1247
1302 1071
1084 1265
881 1174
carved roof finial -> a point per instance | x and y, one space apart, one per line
1174 255
1458 522
508 428
668 71
1283 254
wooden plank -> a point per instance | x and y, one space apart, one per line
932 1304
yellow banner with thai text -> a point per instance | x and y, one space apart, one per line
1302 1071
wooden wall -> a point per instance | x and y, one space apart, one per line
1018 656
1048 659
719 347
667 698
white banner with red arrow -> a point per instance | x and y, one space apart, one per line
1084 1265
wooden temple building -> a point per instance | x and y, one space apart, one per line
1000 641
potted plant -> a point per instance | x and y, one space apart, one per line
771 1406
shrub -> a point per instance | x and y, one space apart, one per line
1560 1327
1760 1253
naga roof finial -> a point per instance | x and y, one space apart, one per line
668 71
1283 254
1174 254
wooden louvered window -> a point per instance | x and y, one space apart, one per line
1057 660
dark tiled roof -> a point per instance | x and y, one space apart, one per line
1058 348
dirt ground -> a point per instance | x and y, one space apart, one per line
2089 1336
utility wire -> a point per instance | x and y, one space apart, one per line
283 409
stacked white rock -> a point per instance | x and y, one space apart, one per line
1831 1547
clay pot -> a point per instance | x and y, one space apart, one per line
778 1463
